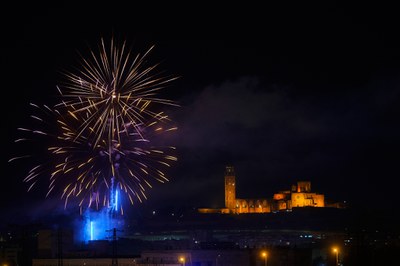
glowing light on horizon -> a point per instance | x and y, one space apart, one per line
116 200
91 230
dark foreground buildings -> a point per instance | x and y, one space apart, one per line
286 234
304 236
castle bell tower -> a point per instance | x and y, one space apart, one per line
230 188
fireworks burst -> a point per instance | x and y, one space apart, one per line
106 127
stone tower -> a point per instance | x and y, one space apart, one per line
230 188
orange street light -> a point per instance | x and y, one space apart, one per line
182 259
264 254
336 251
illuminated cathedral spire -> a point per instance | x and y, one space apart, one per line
230 188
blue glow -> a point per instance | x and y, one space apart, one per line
98 224
91 231
116 200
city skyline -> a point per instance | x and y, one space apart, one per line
291 94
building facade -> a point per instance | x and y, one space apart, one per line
300 195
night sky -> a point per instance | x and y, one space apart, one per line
282 93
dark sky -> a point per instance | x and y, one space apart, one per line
282 93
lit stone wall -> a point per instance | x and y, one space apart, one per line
307 200
252 206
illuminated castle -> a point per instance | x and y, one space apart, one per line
299 195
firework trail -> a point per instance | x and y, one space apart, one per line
103 132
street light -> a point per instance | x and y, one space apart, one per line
336 251
182 259
264 254
216 259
